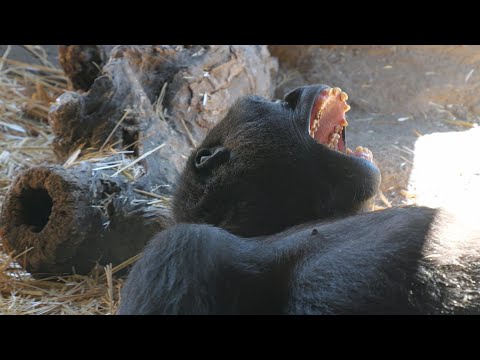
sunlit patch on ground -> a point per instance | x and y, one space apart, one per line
446 173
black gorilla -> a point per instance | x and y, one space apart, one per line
270 222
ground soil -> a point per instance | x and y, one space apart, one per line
20 53
397 94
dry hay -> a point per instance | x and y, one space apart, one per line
26 93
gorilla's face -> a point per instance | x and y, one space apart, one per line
270 165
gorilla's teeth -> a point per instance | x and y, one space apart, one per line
344 122
338 128
333 144
334 136
362 152
328 91
347 107
343 96
336 91
333 141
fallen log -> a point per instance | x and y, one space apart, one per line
123 143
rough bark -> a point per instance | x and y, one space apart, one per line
72 221
83 63
77 216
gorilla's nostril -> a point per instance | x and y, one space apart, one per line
292 97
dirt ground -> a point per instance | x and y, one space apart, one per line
21 53
397 94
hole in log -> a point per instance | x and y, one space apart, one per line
130 142
109 188
35 208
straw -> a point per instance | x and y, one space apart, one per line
26 93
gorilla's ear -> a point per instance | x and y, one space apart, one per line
211 157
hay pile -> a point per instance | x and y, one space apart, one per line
26 92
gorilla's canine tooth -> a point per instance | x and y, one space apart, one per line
338 128
343 96
344 122
359 149
347 107
336 91
328 91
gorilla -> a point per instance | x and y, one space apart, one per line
271 219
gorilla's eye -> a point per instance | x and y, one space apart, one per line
292 98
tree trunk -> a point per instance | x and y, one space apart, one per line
89 211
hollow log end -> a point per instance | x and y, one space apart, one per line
63 221
44 214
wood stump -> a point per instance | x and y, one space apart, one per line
150 105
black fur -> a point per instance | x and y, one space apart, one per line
271 174
259 175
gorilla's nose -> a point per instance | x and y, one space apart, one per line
293 96
304 94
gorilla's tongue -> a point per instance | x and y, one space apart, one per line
327 122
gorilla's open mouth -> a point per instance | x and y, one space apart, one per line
327 122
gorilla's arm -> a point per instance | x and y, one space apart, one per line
394 261
199 269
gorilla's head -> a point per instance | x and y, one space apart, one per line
270 165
